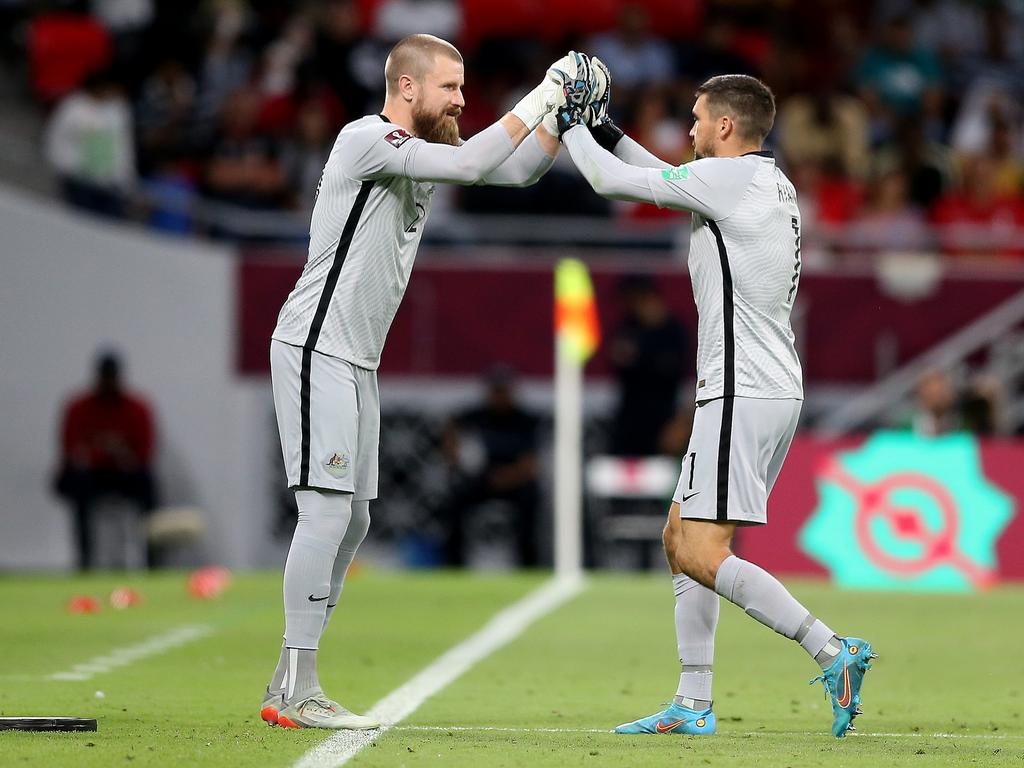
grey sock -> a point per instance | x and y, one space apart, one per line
323 521
354 536
302 680
277 679
764 598
698 705
696 618
827 655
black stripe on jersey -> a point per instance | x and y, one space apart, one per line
728 374
347 232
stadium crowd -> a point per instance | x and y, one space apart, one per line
893 117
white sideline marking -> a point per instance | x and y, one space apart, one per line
857 735
120 657
503 628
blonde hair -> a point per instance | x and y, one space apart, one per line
414 56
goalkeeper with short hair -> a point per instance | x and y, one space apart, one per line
744 264
373 200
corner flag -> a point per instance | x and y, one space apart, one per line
577 335
576 320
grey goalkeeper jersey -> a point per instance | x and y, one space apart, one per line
744 257
372 202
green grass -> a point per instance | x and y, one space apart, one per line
948 666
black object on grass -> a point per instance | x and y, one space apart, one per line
47 724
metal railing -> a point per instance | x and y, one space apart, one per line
995 331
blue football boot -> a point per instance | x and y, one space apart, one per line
675 719
843 680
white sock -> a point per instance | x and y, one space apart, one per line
354 536
301 679
764 598
696 618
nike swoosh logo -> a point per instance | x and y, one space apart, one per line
317 599
690 496
666 727
844 700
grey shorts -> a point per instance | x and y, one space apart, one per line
735 454
328 417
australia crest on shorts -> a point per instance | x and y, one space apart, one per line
337 465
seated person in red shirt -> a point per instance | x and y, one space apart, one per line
107 440
979 219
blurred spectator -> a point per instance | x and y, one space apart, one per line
991 121
282 57
128 22
396 19
337 56
226 65
1002 54
981 406
650 354
828 198
492 450
108 437
90 145
634 56
926 162
935 406
897 79
825 127
888 221
244 167
164 114
951 29
976 219
305 155
657 130
714 52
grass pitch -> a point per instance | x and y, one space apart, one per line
946 691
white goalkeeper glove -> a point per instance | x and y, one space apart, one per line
532 108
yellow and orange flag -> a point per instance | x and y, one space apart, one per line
575 310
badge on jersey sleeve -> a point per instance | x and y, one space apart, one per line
675 174
397 137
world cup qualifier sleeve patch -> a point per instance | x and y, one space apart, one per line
397 137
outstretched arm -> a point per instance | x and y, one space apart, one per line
709 187
634 153
607 174
467 163
531 160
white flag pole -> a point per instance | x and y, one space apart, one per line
568 460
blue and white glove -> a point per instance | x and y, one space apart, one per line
577 82
605 132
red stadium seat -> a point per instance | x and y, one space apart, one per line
578 17
518 18
675 19
63 49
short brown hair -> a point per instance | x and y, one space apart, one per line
745 99
414 56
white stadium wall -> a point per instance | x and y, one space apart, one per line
70 285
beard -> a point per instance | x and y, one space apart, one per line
700 152
437 127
